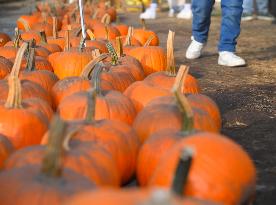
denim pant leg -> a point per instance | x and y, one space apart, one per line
248 6
201 19
262 6
230 24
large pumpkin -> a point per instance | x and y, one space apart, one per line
50 182
6 149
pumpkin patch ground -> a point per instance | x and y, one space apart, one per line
245 96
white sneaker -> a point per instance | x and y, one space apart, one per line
185 13
194 50
171 13
150 12
230 59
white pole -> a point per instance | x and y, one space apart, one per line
82 20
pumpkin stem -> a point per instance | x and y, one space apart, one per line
55 33
182 171
43 36
95 14
90 34
17 38
143 22
67 139
52 161
183 104
86 73
82 44
106 32
96 53
129 36
78 32
112 52
106 19
91 105
119 47
14 99
31 56
96 77
149 41
170 54
67 40
25 24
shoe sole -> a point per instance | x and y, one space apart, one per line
265 18
249 18
222 63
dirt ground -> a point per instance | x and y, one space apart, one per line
246 96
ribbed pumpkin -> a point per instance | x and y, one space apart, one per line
26 22
5 67
87 159
4 38
221 170
122 28
6 148
70 63
22 124
152 58
50 47
110 104
71 85
151 119
142 35
46 184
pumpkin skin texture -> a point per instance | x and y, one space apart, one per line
111 105
143 35
151 119
5 67
87 159
6 149
20 185
123 29
152 58
131 197
4 38
70 63
210 155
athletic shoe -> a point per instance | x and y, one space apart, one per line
230 59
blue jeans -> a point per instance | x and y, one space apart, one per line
262 6
230 25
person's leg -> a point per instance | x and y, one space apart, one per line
202 10
186 12
263 12
248 7
230 30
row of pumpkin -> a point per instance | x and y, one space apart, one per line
122 111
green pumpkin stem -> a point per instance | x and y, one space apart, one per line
17 38
183 104
182 171
113 54
87 71
43 36
31 56
171 70
52 161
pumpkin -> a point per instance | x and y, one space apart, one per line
6 149
152 58
51 182
29 125
26 22
151 119
105 31
5 67
31 34
50 47
4 38
110 104
210 159
122 28
142 35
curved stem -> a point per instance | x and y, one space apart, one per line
52 161
112 52
96 78
91 34
86 73
170 54
182 171
106 19
25 24
183 104
149 41
67 139
18 59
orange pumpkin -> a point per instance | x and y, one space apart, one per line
51 183
5 67
6 149
142 35
4 38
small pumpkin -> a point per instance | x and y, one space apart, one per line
4 38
